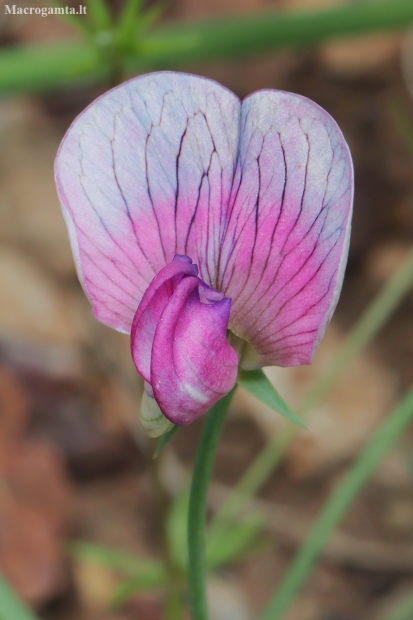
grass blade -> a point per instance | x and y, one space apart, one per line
112 558
11 607
99 14
371 321
338 503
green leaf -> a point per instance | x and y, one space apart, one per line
127 22
256 382
153 13
149 579
338 503
11 607
223 546
241 36
234 540
164 440
99 14
142 573
40 67
176 529
125 563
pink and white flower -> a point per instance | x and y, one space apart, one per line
192 213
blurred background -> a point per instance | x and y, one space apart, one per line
79 516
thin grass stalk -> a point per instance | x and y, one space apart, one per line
11 607
366 328
338 503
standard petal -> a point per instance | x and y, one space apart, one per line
144 173
151 308
285 247
193 366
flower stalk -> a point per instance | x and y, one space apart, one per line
204 462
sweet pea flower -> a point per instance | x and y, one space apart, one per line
215 232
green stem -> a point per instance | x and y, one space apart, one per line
338 503
42 67
204 461
11 607
373 318
257 33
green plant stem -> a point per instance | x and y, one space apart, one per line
338 503
371 321
11 607
204 461
257 33
41 67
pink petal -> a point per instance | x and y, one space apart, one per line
150 311
285 247
145 173
192 366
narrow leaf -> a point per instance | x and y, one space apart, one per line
117 560
164 440
41 67
127 22
258 384
176 526
11 607
338 503
233 541
98 12
149 579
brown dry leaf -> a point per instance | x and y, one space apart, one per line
358 57
30 554
385 259
13 404
226 600
33 305
34 508
29 208
34 472
95 585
